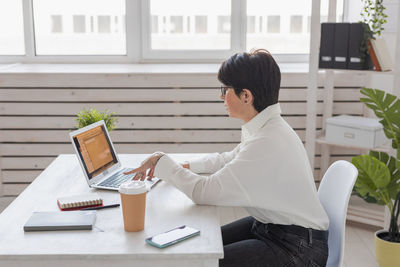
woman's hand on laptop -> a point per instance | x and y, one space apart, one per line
147 167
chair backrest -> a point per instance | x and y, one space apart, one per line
334 193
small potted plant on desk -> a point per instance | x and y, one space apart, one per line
378 178
88 116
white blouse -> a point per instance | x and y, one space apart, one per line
268 174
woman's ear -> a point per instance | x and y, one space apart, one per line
247 96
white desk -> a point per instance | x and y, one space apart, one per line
107 244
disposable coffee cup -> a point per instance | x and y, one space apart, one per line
133 202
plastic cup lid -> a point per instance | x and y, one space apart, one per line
133 187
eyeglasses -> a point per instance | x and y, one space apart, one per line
224 89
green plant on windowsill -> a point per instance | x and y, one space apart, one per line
373 14
373 18
378 178
88 116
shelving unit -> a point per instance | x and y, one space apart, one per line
358 210
321 140
328 106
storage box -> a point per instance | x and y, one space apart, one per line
355 131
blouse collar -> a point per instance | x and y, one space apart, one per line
258 121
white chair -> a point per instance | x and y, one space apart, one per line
334 193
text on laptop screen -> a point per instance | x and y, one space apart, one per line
95 150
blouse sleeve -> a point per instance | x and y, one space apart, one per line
220 188
213 162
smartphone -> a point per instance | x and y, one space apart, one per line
172 236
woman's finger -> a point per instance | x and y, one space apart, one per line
139 176
136 177
146 164
132 171
148 172
150 175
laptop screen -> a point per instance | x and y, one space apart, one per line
95 150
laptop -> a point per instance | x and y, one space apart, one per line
98 159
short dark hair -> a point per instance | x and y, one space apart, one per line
256 71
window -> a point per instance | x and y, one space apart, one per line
201 24
154 24
260 24
104 23
83 27
296 24
11 28
56 24
251 24
287 24
176 24
274 24
116 22
210 18
91 24
79 23
224 24
154 30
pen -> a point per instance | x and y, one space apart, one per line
102 207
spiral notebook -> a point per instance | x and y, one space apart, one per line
77 202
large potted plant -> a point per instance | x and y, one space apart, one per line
378 178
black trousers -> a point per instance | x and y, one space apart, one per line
248 242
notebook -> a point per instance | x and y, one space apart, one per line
79 201
98 159
57 220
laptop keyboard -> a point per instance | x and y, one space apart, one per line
117 179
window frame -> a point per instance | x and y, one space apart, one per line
138 34
156 55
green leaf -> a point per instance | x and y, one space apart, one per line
392 163
373 177
386 107
398 159
88 116
367 198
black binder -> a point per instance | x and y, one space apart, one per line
341 42
326 45
356 60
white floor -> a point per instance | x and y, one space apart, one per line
359 247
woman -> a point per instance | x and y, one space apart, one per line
268 174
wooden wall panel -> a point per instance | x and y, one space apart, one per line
54 149
149 94
172 113
158 109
